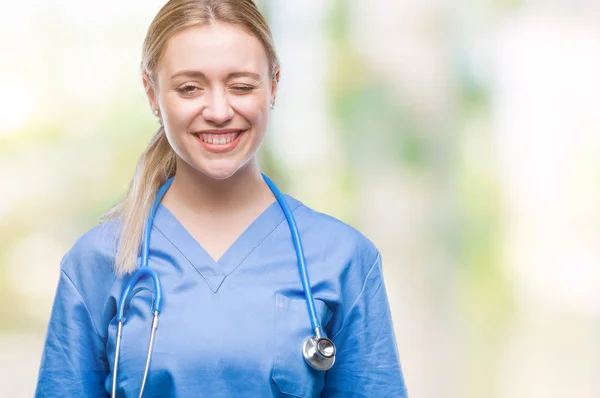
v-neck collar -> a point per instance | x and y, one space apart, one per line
215 272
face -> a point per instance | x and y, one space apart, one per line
213 91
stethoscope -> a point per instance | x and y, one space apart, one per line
318 350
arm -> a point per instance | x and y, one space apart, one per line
367 363
74 360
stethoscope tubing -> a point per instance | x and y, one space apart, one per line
150 221
314 321
145 271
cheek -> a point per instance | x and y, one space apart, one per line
179 114
253 109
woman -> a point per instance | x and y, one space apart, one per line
234 315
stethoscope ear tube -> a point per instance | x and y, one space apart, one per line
148 356
116 360
150 351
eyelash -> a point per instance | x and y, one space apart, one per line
187 89
245 89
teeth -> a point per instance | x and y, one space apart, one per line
218 141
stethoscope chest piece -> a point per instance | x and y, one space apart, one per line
319 352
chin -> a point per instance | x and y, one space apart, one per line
220 171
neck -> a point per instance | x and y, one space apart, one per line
193 191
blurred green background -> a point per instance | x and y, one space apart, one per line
461 137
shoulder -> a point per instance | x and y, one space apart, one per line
336 237
337 252
91 257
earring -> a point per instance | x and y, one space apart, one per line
159 118
272 105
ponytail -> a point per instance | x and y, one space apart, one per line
155 166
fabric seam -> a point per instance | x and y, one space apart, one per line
359 295
83 301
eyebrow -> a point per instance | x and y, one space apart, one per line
194 73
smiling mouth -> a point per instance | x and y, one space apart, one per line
215 137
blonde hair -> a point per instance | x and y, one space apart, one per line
157 163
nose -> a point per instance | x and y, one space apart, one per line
217 109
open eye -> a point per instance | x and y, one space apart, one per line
188 89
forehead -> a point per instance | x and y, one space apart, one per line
214 49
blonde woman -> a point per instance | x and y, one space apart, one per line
220 259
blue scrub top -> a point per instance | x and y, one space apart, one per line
228 328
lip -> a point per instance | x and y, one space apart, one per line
219 131
220 148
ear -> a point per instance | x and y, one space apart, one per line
274 84
149 87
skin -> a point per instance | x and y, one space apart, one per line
211 78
